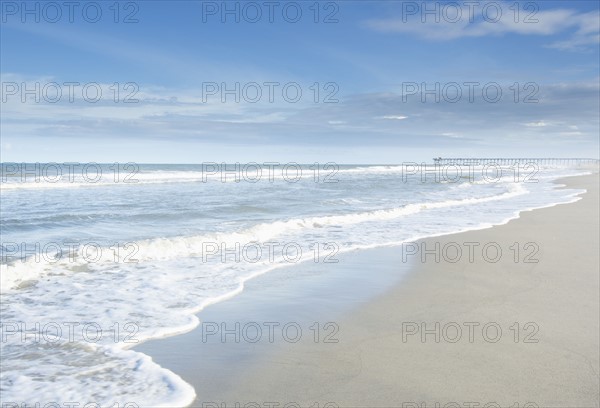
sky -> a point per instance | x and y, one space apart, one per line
329 81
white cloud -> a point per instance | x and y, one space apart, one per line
475 23
451 134
587 34
393 117
143 103
539 123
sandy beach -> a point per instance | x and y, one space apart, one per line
504 329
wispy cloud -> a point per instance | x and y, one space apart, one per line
451 134
357 120
555 128
393 117
587 34
539 123
507 21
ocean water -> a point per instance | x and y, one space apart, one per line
98 258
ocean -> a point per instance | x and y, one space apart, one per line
97 258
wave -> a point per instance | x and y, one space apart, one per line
10 183
12 275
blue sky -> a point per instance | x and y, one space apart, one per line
371 62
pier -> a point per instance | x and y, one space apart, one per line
503 160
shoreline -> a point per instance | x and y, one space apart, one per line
222 371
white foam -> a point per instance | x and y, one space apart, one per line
171 282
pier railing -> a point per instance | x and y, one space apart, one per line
509 161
